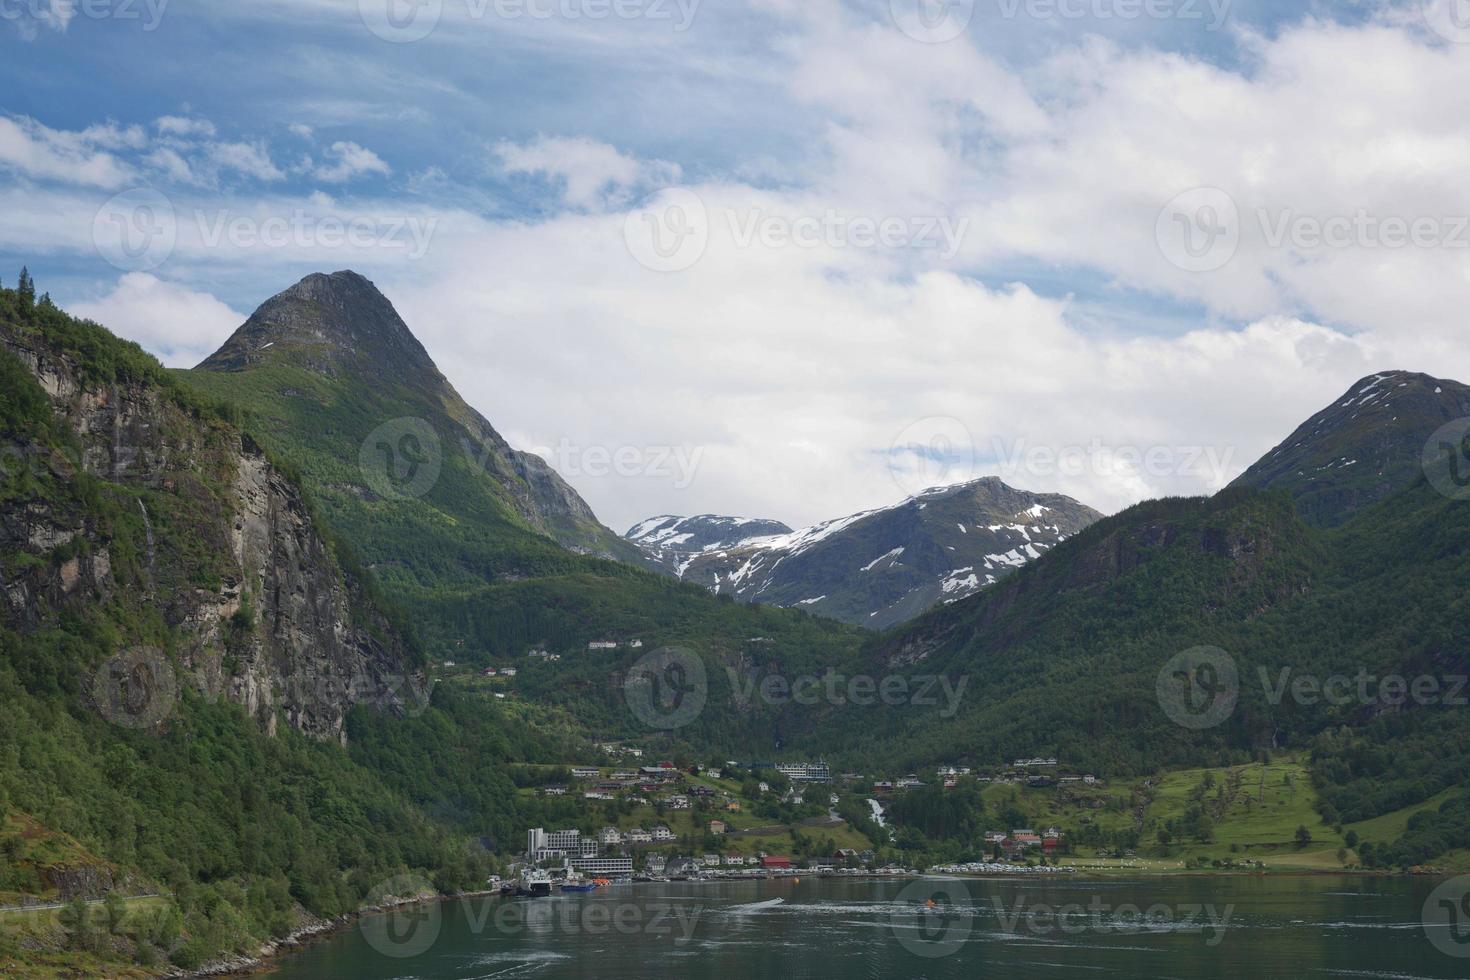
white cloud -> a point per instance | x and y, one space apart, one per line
249 159
184 126
591 173
791 370
350 160
81 157
180 325
301 129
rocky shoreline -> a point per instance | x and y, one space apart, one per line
315 930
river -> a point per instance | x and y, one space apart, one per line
1167 927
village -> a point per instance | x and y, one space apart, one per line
707 821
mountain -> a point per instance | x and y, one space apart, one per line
317 343
1072 656
669 539
185 647
876 568
1363 447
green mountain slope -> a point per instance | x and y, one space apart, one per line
440 512
1066 657
181 648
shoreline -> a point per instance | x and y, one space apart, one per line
304 937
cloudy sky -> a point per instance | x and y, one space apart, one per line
781 258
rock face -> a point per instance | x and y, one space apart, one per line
162 508
1363 447
876 568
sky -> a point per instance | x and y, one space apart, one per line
781 258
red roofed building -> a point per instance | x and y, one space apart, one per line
775 861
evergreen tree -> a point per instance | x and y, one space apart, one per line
26 290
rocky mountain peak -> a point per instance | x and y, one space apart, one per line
327 322
1365 446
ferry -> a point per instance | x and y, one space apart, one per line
535 883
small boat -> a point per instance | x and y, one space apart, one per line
576 883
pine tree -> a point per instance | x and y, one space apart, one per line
26 289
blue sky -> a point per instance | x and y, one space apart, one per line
1035 161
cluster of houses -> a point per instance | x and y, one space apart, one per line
1021 771
586 853
661 784
1020 844
499 671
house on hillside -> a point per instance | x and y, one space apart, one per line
717 826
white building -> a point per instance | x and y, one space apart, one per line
662 833
603 865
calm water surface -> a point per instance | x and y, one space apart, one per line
1192 928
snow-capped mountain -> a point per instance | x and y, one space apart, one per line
1367 445
874 568
670 540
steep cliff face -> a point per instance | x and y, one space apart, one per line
132 501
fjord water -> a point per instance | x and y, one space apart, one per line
1196 927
